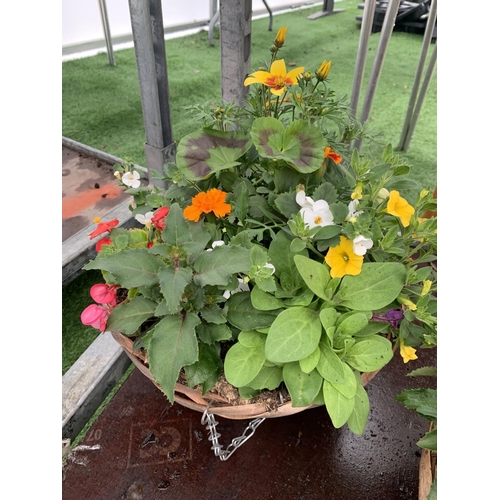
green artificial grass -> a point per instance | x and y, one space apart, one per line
101 105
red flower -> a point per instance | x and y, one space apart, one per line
158 219
104 294
101 242
102 227
95 316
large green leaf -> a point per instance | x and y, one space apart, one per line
301 145
303 387
131 268
378 284
205 371
217 267
244 316
359 415
265 301
315 275
173 281
269 377
338 406
338 373
294 335
206 151
127 318
173 345
369 354
209 333
422 400
190 237
242 364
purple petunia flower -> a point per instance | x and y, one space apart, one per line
392 316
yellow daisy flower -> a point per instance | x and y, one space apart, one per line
277 78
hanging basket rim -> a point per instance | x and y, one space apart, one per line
193 398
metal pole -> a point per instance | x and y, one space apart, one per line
235 45
327 10
107 32
146 30
421 97
387 27
429 28
364 38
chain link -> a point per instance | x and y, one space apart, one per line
209 420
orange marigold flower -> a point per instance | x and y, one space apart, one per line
330 153
213 200
102 227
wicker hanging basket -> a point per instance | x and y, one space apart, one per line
221 406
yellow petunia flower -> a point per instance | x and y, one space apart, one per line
211 201
407 352
277 78
323 70
357 194
399 207
342 259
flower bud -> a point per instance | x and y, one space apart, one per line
117 175
423 193
308 76
382 195
357 194
323 71
279 41
426 287
273 49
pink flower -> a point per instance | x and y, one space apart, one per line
158 219
104 294
95 316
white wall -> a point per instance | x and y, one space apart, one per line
81 19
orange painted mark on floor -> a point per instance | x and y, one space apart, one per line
72 206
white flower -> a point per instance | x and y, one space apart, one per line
131 179
242 287
318 214
144 219
303 200
270 266
361 244
217 243
352 210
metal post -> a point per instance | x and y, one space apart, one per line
420 100
235 45
147 29
385 35
429 28
107 32
327 10
364 38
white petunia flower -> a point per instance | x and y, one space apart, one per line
352 210
217 243
131 179
318 214
144 219
270 266
303 200
361 244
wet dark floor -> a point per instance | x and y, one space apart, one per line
143 448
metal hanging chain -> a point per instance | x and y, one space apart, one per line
211 424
